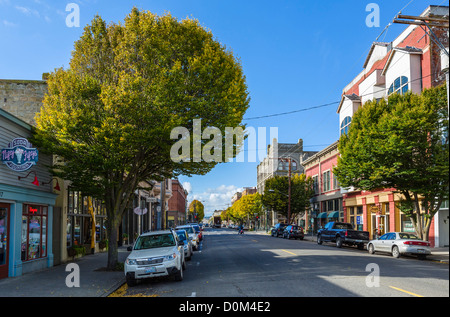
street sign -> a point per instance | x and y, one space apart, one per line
359 220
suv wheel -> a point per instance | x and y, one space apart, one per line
131 281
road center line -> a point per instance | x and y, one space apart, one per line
402 290
289 252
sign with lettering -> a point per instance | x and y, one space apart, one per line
20 155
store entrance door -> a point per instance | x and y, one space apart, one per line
4 239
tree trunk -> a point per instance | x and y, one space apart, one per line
113 234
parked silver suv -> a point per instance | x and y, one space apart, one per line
157 253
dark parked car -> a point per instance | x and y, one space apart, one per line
278 229
293 231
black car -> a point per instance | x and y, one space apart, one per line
293 231
278 229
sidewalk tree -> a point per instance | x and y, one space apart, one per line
246 207
111 112
401 143
196 210
276 194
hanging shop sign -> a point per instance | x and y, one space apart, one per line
20 155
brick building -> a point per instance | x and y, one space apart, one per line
176 214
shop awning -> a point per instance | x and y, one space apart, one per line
322 215
334 214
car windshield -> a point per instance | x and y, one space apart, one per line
182 235
408 236
188 229
154 241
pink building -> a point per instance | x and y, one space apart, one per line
327 201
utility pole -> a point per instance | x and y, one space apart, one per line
289 192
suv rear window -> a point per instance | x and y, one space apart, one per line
154 241
189 229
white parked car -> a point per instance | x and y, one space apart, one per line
398 243
158 253
192 234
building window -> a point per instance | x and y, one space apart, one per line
335 182
359 210
79 220
34 232
316 184
345 124
283 165
400 86
326 181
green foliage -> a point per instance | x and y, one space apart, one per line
400 143
198 208
276 194
246 207
110 114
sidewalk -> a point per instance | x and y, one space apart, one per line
51 282
437 254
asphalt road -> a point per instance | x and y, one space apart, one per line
252 265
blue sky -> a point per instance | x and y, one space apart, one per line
295 54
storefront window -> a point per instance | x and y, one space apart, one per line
79 220
407 225
34 232
69 232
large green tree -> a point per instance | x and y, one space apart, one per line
111 113
276 195
400 143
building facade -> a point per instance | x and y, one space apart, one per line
276 163
27 201
176 214
326 203
409 63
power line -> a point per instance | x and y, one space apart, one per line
325 105
290 112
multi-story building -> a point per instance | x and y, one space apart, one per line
176 214
326 203
409 63
279 156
